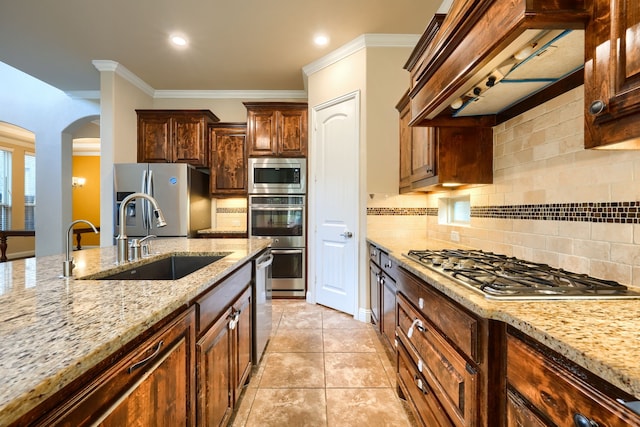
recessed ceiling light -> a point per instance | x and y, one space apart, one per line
178 40
321 40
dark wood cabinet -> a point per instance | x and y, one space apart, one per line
154 385
558 392
382 298
174 136
449 360
277 129
374 292
223 351
612 75
228 159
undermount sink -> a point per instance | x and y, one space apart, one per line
170 268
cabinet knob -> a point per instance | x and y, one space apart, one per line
597 107
582 421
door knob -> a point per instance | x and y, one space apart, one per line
347 234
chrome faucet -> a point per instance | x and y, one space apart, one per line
67 265
121 240
140 247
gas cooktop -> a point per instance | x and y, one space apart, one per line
507 278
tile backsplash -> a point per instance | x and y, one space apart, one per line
552 201
229 214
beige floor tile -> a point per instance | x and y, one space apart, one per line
347 341
293 370
244 407
288 407
343 370
301 320
287 340
332 319
365 407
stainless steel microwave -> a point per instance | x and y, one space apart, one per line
275 175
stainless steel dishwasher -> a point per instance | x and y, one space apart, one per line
262 295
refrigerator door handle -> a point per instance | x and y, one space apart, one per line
143 204
148 203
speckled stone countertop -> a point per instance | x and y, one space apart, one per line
213 232
602 336
53 329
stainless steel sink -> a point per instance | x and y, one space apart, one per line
171 268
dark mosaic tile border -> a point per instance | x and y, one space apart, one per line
397 211
231 210
607 212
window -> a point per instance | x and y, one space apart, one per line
29 192
454 210
5 189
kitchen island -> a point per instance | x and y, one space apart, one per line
54 329
600 336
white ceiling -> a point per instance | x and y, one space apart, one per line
234 44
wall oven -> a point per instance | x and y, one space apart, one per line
282 218
275 175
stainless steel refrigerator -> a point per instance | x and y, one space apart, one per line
181 190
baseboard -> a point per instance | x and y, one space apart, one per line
364 315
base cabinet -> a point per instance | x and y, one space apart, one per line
382 298
153 385
550 390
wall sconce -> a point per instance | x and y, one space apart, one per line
77 181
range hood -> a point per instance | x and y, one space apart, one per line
531 63
490 58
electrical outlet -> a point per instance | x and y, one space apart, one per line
455 236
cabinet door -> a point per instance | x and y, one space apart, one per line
388 305
228 161
190 140
292 133
612 74
262 131
214 373
242 353
154 385
405 148
374 292
154 138
423 153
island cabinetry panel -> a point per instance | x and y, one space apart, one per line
228 159
545 387
612 75
174 136
277 129
455 358
223 350
154 384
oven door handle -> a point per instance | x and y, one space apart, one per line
264 262
276 209
286 251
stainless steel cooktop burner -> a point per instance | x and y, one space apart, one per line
501 277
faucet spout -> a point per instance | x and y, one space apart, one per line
67 264
121 240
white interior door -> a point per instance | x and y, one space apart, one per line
335 205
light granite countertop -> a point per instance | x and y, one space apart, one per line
602 336
53 329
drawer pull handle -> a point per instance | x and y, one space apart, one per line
420 385
388 264
417 324
143 362
582 421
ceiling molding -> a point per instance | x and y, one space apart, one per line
360 42
86 146
122 71
231 94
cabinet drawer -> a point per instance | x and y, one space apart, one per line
425 406
388 265
558 393
452 378
215 301
455 324
374 253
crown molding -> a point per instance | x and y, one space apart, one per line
231 94
122 71
361 42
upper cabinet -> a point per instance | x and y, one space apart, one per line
612 75
277 129
228 159
174 136
458 67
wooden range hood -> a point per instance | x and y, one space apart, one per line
475 36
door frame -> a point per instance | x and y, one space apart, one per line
361 309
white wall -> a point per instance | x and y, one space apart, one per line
48 113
